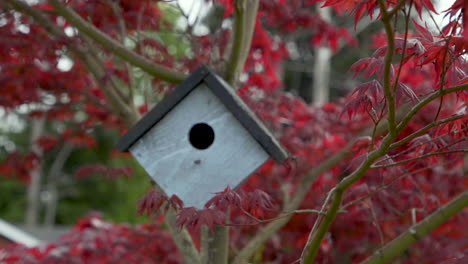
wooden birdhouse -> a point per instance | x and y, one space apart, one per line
199 139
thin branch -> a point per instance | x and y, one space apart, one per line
316 225
109 86
181 238
429 98
423 130
420 157
405 43
447 66
246 13
313 244
386 185
258 221
397 246
118 49
312 248
52 178
397 8
407 150
107 81
389 93
123 34
377 226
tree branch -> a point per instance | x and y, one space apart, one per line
118 49
123 34
423 130
429 98
386 185
400 4
246 14
303 188
54 172
265 233
397 246
387 86
420 157
182 238
312 247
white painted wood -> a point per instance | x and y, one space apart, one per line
192 174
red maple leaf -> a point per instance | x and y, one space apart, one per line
193 218
225 199
151 202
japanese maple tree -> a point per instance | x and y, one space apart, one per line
370 174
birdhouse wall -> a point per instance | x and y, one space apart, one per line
168 154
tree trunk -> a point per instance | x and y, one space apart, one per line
54 174
321 82
34 188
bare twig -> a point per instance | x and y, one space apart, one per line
405 40
420 157
397 8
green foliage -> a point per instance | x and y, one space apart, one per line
12 200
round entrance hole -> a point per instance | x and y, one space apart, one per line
201 136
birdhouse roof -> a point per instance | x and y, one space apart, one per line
226 95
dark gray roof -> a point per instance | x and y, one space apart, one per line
225 94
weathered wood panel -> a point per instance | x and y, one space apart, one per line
193 174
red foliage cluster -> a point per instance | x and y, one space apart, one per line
96 241
18 165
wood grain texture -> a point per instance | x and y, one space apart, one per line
195 175
225 94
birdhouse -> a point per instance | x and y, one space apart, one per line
199 139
